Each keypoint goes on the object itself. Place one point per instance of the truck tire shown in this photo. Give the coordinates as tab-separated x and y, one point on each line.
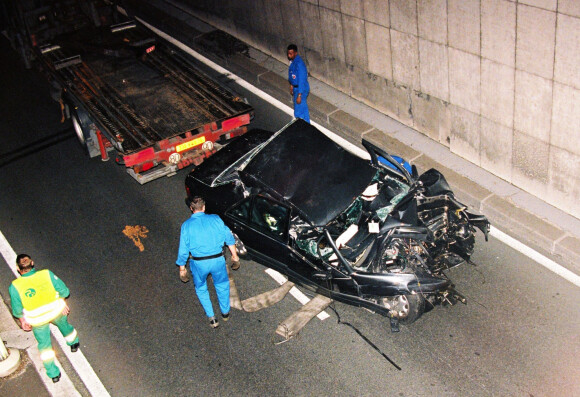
81	122
55	91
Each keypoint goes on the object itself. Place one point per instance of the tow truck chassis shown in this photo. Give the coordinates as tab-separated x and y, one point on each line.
135	93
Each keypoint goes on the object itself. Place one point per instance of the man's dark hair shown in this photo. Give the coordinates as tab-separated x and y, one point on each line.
197	203
24	262
293	47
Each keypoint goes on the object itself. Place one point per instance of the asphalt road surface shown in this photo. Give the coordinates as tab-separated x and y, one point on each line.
145	334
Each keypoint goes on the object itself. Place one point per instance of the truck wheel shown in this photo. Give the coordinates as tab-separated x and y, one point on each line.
78	129
55	91
81	124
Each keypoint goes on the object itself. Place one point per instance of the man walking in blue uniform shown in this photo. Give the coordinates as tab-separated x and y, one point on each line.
299	87
203	236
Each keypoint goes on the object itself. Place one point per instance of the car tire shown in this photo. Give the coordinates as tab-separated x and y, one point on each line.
240	247
416	308
408	307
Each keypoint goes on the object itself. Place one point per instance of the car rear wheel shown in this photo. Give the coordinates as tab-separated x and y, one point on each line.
407	308
240	247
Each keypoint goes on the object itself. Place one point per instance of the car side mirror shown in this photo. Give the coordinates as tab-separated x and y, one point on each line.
414	172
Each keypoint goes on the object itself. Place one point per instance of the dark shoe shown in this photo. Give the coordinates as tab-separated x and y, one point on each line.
235	265
213	322
226	317
74	347
56	379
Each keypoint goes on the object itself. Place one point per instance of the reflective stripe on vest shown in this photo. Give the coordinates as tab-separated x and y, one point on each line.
40	300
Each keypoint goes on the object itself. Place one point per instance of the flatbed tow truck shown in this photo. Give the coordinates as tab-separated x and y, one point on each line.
125	88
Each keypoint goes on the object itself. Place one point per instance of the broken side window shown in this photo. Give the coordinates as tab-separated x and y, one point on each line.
394	191
241	211
270	217
315	249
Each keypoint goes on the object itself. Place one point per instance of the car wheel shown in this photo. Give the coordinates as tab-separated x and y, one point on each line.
407	308
240	247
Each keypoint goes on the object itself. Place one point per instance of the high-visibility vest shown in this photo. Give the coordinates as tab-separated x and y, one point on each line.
40	300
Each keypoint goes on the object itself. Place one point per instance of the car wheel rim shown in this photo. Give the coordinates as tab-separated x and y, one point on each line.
398	306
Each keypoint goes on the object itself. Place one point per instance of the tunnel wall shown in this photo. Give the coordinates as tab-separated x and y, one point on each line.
496	81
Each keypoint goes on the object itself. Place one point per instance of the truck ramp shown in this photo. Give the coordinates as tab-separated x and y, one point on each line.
138	88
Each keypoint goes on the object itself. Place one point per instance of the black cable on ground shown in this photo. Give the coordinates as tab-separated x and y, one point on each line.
367	340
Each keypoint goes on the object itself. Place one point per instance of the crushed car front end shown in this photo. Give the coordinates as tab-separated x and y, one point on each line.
407	234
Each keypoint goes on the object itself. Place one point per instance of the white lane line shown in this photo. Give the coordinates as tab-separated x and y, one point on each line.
536	256
81	366
295	292
8	254
77	359
529	252
64	388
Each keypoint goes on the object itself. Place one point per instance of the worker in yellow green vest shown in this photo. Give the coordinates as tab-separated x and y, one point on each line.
38	300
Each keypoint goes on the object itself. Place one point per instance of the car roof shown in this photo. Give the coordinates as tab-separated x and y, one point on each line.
304	167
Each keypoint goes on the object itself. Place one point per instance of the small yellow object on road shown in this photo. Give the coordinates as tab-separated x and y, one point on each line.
136	233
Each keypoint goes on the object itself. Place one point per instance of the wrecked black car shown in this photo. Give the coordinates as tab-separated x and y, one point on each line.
368	233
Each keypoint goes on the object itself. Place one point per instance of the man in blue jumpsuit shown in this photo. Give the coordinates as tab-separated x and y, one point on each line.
299	87
203	236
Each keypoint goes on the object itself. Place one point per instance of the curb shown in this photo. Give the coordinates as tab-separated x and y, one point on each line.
8	366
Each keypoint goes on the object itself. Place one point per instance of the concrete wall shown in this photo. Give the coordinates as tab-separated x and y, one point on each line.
497	81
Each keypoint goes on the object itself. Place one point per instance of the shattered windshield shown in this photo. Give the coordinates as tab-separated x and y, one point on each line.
353	227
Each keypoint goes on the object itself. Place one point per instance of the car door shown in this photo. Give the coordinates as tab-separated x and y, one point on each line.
262	225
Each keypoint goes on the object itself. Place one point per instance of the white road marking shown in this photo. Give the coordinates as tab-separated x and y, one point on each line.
296	293
64	387
536	256
77	359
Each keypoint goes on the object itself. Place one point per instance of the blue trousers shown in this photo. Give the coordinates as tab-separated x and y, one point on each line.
200	270
301	110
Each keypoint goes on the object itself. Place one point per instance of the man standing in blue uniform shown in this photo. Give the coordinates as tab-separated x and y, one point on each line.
203	236
299	87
